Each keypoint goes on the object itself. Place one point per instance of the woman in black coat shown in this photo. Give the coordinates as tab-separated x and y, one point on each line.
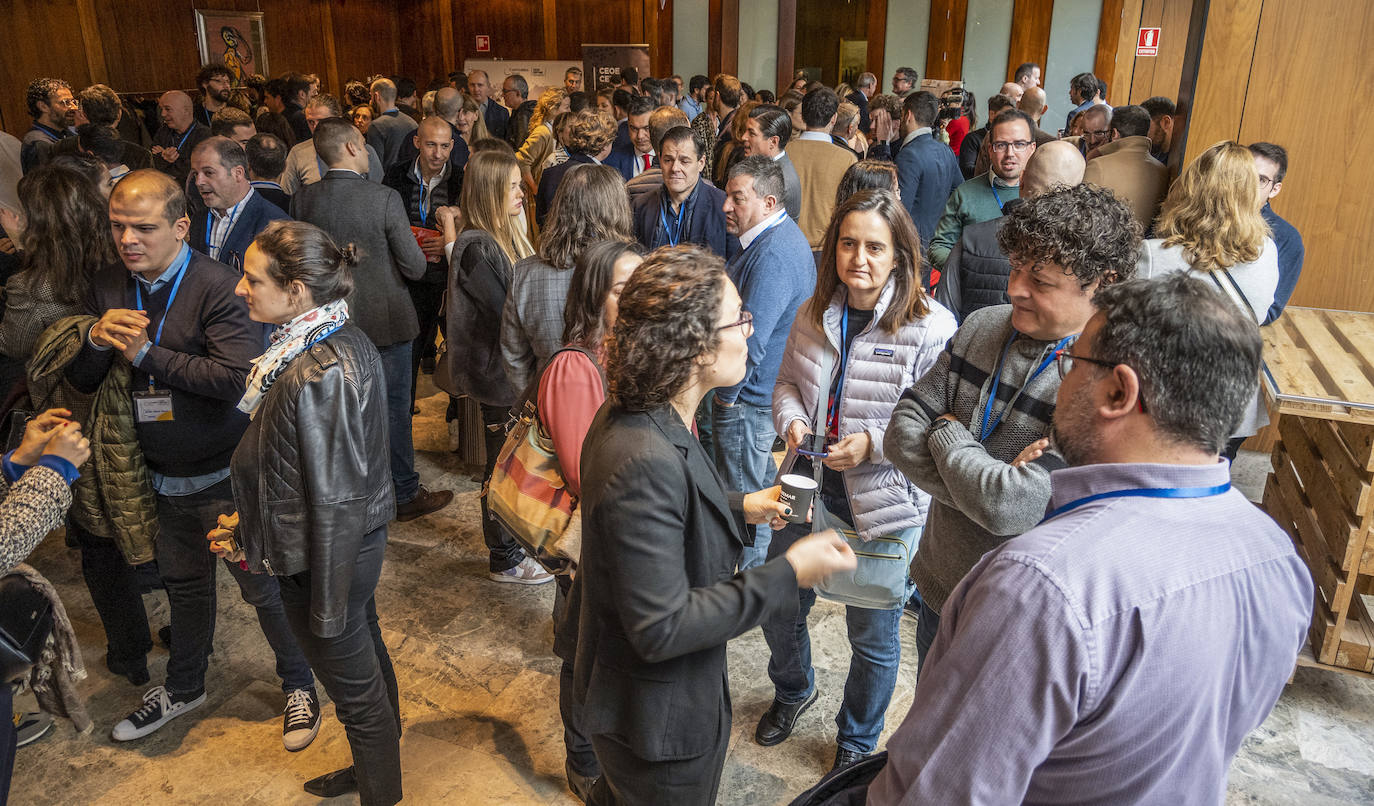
312	483
656	588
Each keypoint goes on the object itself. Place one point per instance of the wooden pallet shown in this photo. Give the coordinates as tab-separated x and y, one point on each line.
1321	364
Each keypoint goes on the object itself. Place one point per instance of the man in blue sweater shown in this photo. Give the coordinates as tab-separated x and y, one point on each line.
1272	163
775	273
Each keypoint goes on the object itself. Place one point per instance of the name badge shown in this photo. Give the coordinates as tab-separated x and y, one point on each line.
882	351
153	406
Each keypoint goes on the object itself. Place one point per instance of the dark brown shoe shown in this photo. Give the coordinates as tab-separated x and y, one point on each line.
424	502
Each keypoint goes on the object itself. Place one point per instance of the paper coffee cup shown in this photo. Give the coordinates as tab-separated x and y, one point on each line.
797	492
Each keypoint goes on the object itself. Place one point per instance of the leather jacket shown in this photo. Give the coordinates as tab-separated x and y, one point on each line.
312	475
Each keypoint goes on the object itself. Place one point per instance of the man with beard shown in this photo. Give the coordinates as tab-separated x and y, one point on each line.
214	82
53	110
959	431
1121	693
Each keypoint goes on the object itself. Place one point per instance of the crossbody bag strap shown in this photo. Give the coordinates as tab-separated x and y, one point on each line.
822	396
1240	294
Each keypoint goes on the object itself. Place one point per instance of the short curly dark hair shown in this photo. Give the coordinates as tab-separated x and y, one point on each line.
665	323
1085	229
40	90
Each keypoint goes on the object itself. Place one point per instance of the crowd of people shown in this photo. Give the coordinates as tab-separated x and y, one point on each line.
1004	368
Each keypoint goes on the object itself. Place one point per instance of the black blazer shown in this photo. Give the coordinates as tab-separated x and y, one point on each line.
496	117
656	588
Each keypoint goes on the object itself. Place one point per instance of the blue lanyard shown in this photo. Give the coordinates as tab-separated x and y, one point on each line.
844	369
995	194
668	232
189	129
989	422
180	270
1145	492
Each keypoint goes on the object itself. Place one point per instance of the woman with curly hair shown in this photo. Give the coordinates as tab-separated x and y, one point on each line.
1210	225
657	591
591	206
588	141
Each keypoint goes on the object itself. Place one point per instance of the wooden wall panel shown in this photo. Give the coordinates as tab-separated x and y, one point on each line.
365	41
945	48
607	21
820	26
1223	71
1030	34
877	37
1159	75
1114	60
722	54
43	38
420	31
1301	45
516	28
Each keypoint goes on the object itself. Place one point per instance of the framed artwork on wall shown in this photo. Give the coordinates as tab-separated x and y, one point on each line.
234	39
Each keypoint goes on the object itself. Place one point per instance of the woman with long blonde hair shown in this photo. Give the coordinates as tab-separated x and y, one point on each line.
542	140
480	260
1211	225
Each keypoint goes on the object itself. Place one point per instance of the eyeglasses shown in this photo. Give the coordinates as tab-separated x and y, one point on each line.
1063	360
1097	135
1018	146
1264	180
745	323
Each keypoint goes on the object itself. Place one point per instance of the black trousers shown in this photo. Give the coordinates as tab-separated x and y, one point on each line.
114	589
8	741
428	299
356	670
628	780
503	553
581	756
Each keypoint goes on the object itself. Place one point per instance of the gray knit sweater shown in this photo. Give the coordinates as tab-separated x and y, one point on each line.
979	500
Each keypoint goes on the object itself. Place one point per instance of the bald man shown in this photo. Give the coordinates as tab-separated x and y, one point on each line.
1013	91
975	274
448	102
389	128
178	136
172	314
427	183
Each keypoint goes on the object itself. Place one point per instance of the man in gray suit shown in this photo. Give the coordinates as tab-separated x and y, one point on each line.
372	217
389	128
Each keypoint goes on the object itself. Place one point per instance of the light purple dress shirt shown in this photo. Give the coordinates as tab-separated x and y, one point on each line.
1116	654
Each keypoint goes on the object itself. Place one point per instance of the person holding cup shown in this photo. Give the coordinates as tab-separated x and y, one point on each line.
656	587
867	334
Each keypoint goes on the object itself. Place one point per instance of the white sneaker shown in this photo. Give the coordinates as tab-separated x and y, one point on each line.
158	709
528	572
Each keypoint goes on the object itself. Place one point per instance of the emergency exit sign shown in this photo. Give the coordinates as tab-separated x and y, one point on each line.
1148	43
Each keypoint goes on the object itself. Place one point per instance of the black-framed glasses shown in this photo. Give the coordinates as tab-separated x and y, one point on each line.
1016	145
1063	361
745	323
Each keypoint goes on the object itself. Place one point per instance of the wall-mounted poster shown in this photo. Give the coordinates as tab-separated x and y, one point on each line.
234	39
853	59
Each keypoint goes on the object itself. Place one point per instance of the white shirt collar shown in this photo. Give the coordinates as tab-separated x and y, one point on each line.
755	231
232	213
820	137
915	134
779	155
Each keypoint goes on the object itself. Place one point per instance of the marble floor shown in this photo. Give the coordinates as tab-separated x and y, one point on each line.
479	687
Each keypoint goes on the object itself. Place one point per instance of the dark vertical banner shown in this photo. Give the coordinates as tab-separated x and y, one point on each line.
601	64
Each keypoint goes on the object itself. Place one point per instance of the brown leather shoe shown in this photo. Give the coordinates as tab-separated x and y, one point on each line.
424	502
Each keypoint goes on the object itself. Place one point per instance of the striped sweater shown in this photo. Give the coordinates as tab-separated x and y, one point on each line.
979	500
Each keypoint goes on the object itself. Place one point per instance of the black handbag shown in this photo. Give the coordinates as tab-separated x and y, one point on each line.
25	623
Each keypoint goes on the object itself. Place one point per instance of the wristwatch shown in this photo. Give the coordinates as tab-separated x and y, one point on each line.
936	425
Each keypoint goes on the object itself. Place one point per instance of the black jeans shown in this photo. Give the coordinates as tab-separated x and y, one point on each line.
503	552
8	740
187	569
927	627
428	299
356	670
581	756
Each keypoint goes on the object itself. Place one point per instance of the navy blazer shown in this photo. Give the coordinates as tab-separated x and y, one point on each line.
622	158
927	172
496	117
548	185
622	134
703	224
256	215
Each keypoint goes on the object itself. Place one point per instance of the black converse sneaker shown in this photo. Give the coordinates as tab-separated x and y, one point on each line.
158	709
301	719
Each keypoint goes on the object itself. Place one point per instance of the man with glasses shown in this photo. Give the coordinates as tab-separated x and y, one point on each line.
53	110
981	198
1074	656
775	274
515	96
904	81
970	432
1124	166
1095	123
1272	163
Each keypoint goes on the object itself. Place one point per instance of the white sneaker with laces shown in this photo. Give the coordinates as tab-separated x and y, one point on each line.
301	719
528	572
158	709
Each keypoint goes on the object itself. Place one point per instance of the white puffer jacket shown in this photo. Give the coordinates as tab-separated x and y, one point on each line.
882	366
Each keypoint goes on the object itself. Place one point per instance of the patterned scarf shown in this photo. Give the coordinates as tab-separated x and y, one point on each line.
288	341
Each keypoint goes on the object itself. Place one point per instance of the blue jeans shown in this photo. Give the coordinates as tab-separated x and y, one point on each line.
927	625
876	652
399	398
742	438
